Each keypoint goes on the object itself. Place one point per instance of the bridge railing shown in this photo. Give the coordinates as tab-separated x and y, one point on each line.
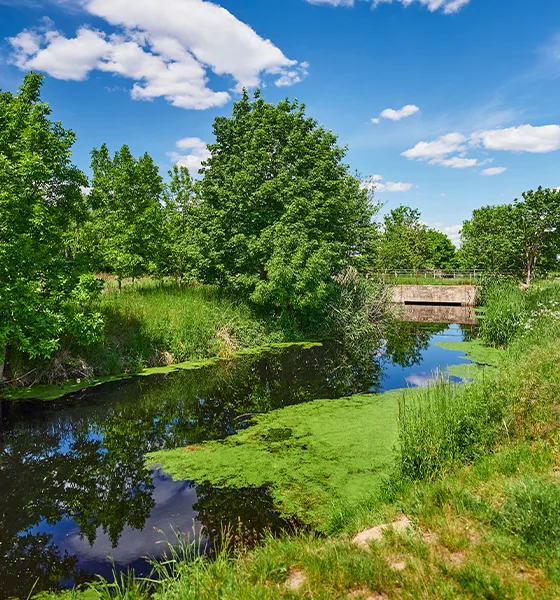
436	276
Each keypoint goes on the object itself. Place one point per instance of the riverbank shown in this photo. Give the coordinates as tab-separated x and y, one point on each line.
149	325
475	472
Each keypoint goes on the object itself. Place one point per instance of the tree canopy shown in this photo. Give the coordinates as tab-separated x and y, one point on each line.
126	195
43	290
279	214
519	237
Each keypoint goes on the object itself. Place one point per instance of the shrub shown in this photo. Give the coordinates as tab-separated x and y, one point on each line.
447	425
505	312
531	511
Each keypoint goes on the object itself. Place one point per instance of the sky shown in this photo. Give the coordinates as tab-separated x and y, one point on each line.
444	105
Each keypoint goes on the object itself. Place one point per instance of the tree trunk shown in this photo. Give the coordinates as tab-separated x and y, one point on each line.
120	284
2	361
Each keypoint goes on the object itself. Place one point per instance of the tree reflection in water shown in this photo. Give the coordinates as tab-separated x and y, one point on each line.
82	458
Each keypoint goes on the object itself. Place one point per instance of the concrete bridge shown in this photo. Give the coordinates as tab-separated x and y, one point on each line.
453	295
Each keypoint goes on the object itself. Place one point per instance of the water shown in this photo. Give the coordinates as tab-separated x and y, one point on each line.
74	489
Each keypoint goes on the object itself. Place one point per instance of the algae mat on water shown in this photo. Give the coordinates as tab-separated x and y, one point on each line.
313	455
56	391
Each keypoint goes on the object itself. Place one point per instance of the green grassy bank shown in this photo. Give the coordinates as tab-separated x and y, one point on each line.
147	325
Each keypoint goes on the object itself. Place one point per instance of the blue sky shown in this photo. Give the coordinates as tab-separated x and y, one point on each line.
445	105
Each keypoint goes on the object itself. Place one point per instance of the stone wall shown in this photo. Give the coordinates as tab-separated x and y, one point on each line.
464	295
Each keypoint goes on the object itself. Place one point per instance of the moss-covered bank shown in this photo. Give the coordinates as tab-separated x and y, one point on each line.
54	391
315	456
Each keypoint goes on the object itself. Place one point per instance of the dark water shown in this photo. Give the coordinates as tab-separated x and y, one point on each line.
74	489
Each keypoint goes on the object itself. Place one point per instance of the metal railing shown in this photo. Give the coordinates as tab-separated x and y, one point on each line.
435	275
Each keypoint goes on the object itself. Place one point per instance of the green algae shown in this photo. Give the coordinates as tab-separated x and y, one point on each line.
48	392
481	357
313	455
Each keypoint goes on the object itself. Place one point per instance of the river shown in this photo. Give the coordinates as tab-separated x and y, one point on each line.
76	496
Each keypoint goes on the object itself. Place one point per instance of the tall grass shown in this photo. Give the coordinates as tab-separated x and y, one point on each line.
447	426
158	323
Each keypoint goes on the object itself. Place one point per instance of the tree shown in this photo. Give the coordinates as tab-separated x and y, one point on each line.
180	206
490	240
126	195
516	237
280	214
538	220
44	291
403	243
440	250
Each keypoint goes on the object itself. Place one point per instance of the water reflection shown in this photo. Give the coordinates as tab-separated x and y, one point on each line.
74	484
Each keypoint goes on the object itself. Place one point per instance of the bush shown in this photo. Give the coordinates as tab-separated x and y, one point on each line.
505	312
446	425
531	511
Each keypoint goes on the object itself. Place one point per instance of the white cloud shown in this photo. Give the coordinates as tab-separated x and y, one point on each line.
448	7
193	160
449	150
455	162
402	113
166	52
524	138
446	144
493	171
396	115
375	183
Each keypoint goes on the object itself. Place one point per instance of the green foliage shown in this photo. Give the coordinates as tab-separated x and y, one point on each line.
279	215
406	243
447	425
43	290
403	243
176	257
488	241
360	310
520	237
126	225
441	251
530	511
504	312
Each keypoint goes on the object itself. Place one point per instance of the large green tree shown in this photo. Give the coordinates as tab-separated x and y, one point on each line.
127	196
180	207
440	250
519	237
403	243
538	219
490	240
44	290
280	213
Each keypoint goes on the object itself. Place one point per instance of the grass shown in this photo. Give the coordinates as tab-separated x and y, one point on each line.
157	324
427	280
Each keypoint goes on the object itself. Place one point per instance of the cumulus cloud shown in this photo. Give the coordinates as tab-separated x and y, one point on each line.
167	53
524	138
448	7
444	145
493	171
455	162
449	150
191	160
375	183
397	115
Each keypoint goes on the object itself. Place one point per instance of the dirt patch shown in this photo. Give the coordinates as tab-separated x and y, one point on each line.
375	534
365	594
295	580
